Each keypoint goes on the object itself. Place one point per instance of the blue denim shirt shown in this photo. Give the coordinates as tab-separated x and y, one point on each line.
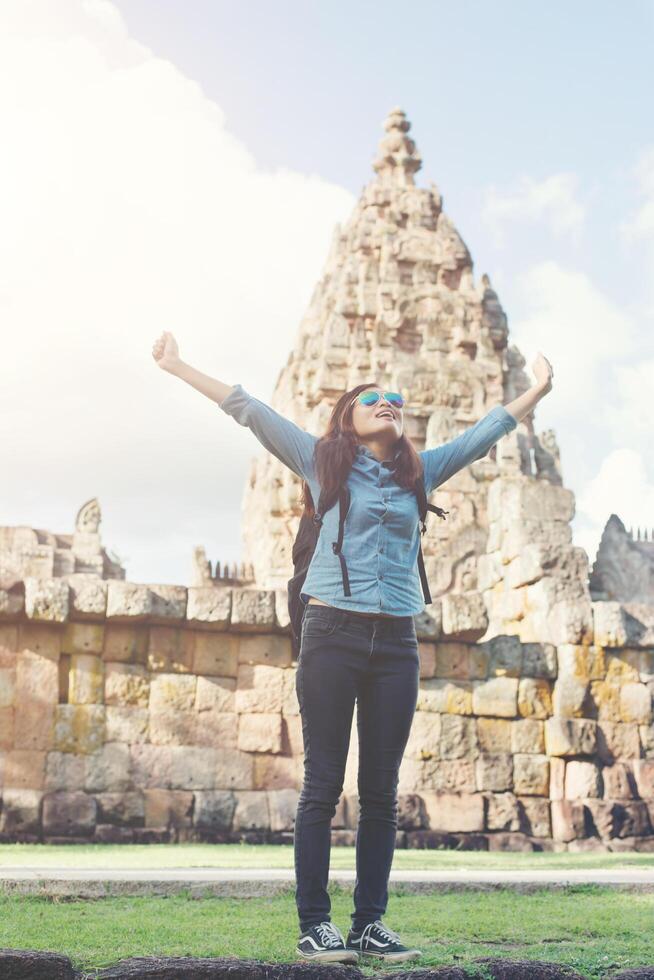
381	535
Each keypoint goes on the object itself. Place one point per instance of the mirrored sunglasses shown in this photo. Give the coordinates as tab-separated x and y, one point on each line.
393	398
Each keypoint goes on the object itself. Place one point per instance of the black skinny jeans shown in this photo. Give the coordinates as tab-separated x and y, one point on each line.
374	661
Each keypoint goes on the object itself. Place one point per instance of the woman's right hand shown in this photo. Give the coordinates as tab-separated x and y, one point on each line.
166	352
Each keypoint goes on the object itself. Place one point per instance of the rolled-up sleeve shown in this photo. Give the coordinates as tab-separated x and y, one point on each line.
283	438
474	442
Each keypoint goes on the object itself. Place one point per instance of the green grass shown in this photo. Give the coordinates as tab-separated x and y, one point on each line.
594	930
153	856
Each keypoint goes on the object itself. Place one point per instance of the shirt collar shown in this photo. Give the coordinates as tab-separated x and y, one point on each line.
364	451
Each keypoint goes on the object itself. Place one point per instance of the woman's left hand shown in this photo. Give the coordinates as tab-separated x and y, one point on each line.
543	372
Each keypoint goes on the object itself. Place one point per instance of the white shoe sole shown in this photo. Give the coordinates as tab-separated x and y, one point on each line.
330	956
410	954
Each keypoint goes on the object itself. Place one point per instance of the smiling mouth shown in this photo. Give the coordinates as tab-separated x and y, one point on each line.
385	413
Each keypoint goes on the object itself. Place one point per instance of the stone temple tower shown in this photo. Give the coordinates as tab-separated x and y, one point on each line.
397	304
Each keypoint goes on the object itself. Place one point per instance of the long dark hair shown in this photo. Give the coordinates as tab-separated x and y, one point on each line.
335	451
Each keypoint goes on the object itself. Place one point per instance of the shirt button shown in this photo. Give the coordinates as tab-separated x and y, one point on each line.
381	576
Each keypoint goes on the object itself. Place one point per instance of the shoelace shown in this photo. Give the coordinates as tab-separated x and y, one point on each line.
330	934
381	928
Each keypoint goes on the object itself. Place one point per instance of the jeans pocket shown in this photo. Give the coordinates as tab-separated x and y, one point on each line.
320	621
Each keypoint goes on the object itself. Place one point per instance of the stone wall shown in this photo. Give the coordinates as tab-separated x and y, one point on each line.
153	713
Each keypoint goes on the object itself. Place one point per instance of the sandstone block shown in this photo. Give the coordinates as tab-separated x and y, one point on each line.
6	728
272	649
453	661
253	609
126	684
87	596
568	819
557	778
37	642
208	606
214	810
527	735
292	735
125	644
86	679
646	738
152	766
46	600
424	737
259	688
503	812
79	638
610	624
108	770
497	696
7	686
290	704
570	736
606	817
260	732
617	780
69	814
534	697
458	737
622	665
216	728
21	811
585	663
539	660
617	741
175	692
170	649
445	696
454	811
170	809
282	617
215	654
24	769
34	725
427	654
635	819
126	724
464	616
494	772
121	809
582	779
644	775
79	728
449	776
136	602
172	726
635	703
570	697
494	735
216	694
535	816
531	775
429	622
505	656
64	771
277	772
251	811
282	806
605	700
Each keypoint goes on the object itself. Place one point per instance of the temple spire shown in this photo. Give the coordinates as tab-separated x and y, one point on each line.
398	159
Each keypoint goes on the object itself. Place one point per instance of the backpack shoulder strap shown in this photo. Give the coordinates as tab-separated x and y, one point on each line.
423	507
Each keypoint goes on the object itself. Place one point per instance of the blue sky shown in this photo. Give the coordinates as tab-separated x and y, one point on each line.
181	165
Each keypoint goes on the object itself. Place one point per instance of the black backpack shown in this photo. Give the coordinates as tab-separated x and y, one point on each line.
305	545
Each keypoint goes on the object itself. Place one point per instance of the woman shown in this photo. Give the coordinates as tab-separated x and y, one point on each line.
358	640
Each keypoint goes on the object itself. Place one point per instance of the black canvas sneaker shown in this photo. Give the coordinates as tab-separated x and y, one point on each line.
379	943
324	942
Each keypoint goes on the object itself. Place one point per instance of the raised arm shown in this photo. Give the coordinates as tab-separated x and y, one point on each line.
283	438
444	461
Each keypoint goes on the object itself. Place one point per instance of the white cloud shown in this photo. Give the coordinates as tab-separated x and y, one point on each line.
621	486
552	201
641	224
129	208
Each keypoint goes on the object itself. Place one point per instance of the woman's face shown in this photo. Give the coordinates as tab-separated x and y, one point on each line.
381	420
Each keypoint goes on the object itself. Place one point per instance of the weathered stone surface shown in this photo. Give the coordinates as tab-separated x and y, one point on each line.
175	692
539	660
125	644
445	696
494	735
535	816
494	772
497	696
505	656
635	703
424	737
86	679
464	616
46	600
260	733
253	609
582	779
274	772
126	684
617	741
568	819
259	688
570	736
108	770
618	781
503	812
214	654
282	806
643	770
69	814
527	735
208	606
251	811
21	811
122	809
214	810
170	808
24	769
79	638
570	697
272	649
454	811
531	774
79	728
453	661
64	771
126	724
458	737
216	694
534	697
